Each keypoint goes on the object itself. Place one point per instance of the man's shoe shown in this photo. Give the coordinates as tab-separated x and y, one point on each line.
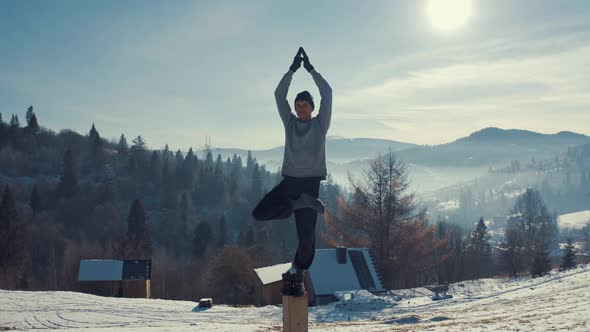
298	284
307	201
287	287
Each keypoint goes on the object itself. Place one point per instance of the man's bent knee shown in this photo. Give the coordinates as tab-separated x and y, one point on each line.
256	214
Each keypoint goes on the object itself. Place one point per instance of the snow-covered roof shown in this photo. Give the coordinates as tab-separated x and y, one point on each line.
270	274
100	270
327	276
448	205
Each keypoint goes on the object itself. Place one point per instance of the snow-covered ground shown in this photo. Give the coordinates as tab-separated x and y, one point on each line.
559	301
575	220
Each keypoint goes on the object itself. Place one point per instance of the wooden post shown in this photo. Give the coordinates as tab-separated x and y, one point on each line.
295	313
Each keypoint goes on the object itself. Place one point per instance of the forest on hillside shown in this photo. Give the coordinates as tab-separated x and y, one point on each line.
68	196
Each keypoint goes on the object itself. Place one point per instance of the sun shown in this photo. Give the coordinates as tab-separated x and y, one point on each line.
448	15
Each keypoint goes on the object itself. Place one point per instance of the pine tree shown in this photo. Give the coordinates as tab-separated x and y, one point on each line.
137	153
166	153
92	133
96	150
202	237
179	157
68	185
184	212
222	240
155	169
234	177
139	143
184	224
122	157
35	200
256	189
8	219
188	166
217	185
14	123
209	162
568	260
541	264
122	147
190	157
179	169
15	260
479	247
167	223
249	163
137	220
138	239
218	166
168	200
29	114
32	124
480	239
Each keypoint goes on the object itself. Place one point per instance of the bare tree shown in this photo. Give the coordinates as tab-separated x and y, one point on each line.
530	230
451	251
385	216
231	276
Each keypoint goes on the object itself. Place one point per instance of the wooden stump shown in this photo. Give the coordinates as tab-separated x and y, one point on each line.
295	313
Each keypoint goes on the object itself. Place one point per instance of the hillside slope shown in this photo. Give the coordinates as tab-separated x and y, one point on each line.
558	301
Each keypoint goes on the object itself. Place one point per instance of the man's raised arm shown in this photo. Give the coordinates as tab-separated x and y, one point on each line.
281	97
325	112
283	88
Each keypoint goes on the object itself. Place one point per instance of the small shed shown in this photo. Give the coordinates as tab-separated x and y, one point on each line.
118	278
333	270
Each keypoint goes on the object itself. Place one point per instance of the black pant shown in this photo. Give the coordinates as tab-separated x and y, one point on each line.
276	205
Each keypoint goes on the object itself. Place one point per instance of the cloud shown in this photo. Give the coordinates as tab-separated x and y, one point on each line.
540	91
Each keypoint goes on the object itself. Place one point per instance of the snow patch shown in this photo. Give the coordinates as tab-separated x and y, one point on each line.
576	220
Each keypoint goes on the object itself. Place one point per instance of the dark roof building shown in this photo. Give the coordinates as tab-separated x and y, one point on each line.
121	278
333	270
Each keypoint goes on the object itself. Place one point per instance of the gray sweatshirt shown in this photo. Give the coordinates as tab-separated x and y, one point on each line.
305	141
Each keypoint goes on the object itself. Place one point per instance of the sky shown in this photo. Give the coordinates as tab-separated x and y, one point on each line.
175	72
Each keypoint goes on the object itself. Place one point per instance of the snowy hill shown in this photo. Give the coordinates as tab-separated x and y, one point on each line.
575	220
558	301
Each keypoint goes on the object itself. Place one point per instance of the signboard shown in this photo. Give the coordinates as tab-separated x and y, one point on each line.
139	269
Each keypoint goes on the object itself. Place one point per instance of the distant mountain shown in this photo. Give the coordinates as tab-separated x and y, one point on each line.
433	166
484	147
493	134
493	146
338	149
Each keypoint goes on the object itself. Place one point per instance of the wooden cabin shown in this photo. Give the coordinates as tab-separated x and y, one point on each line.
115	278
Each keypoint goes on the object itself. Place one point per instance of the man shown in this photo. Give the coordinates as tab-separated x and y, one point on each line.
304	166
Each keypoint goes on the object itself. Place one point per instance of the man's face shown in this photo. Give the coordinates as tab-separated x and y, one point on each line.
303	110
